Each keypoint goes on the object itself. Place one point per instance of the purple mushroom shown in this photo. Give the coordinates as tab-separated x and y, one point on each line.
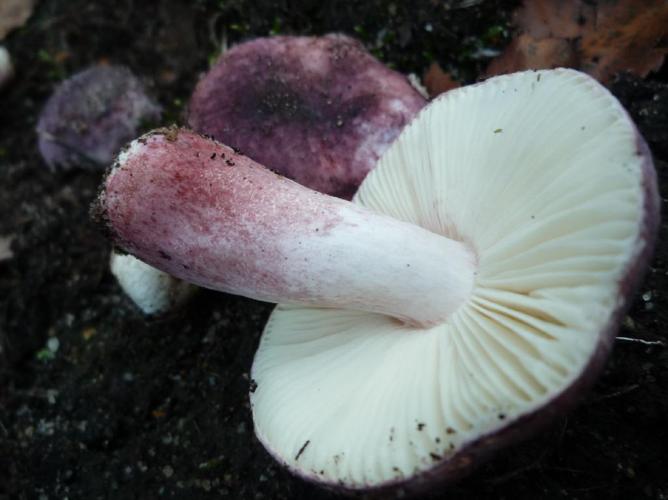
319	110
470	292
91	115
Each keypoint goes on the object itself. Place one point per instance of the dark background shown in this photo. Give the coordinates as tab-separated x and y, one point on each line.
141	408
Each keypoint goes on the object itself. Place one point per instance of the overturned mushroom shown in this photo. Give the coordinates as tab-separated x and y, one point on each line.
471	293
319	110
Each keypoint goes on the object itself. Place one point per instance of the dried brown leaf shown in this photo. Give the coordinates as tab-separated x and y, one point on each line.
438	81
627	37
554	18
526	52
602	38
14	14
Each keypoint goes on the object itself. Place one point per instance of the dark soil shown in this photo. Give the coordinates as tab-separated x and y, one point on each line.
129	407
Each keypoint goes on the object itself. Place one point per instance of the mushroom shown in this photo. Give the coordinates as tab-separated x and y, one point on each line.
91	115
471	292
319	110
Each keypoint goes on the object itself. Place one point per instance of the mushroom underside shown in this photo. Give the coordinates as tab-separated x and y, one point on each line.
557	197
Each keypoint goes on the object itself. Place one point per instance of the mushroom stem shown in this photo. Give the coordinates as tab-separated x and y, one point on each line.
196	209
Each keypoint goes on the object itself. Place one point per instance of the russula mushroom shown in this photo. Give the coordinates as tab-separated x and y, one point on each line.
471	292
91	115
319	110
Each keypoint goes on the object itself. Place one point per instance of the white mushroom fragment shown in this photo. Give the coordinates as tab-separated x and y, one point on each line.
6	67
506	229
151	290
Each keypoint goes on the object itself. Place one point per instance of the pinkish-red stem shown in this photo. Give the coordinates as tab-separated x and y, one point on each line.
197	210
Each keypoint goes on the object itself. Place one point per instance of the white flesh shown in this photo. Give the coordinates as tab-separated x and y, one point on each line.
537	172
152	290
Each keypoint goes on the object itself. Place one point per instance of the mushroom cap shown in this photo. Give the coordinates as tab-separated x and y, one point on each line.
545	176
91	115
319	110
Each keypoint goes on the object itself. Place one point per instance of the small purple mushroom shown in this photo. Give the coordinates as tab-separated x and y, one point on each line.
319	110
91	115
